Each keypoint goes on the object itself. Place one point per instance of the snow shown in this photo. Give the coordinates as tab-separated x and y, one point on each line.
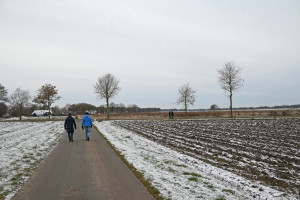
178	176
23	146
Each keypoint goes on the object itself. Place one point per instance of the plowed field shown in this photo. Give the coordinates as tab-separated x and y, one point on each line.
263	150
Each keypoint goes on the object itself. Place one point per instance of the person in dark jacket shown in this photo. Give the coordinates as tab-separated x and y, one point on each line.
69	122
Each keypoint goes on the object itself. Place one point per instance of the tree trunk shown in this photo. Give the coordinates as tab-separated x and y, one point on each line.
185	105
49	112
107	108
20	112
231	104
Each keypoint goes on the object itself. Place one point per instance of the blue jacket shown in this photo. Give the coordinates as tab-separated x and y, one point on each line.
86	121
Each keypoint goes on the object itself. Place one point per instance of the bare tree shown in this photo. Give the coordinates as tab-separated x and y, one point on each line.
107	87
230	80
3	93
47	95
186	96
214	107
20	98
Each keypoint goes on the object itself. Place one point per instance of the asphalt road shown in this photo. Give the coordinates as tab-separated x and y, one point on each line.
85	170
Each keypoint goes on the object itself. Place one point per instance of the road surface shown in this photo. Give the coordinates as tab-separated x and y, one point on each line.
85	170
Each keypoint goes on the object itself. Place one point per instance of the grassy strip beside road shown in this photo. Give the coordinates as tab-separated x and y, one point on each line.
153	191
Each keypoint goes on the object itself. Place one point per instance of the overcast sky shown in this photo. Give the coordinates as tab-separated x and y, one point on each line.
153	47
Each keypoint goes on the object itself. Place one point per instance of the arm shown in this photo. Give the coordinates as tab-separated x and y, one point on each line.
82	123
91	122
74	123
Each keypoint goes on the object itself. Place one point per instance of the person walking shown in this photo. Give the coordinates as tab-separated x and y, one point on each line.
87	124
70	124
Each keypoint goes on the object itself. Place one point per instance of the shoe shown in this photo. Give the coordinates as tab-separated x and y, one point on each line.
72	140
88	138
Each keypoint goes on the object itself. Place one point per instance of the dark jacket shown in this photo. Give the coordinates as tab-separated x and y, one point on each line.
69	124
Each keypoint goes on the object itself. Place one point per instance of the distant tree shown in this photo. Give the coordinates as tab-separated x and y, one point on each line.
57	110
186	96
121	108
3	93
31	108
82	107
102	109
3	109
20	99
107	87
13	111
230	80
65	109
113	107
133	108
46	96
214	107
72	108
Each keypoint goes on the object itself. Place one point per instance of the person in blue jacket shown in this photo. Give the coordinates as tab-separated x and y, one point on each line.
87	124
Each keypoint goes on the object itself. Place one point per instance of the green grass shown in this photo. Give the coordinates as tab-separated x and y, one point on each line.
228	191
210	186
170	169
194	176
177	165
3	193
191	174
193	179
220	198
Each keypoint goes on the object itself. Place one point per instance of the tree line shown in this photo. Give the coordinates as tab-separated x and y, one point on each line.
107	87
102	109
20	100
20	104
229	79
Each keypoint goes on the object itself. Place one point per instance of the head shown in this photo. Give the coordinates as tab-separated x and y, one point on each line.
86	112
69	115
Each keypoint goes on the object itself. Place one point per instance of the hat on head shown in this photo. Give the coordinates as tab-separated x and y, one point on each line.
86	112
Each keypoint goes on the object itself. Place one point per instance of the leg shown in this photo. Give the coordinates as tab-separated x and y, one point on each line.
71	136
85	128
87	132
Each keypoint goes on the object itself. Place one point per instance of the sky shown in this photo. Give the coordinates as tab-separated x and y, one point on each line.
153	48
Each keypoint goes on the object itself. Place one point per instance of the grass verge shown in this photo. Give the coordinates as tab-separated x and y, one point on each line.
152	190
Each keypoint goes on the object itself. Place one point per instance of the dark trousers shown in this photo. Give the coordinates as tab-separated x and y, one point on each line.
70	135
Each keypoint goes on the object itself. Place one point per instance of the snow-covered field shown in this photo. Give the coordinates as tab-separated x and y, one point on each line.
258	149
178	175
23	145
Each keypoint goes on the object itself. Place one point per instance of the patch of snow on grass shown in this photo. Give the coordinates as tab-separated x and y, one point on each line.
23	146
178	176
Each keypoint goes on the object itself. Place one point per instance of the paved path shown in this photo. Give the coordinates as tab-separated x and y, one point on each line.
85	170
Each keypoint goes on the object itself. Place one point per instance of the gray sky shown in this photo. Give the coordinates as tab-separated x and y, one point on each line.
153	47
